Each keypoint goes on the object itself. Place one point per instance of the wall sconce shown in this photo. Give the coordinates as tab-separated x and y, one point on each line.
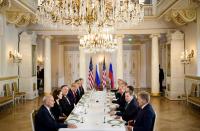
186	56
15	56
40	60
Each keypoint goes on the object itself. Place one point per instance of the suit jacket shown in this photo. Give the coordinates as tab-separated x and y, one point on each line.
121	102
45	122
161	74
82	90
131	111
66	105
72	97
57	112
145	119
79	95
117	95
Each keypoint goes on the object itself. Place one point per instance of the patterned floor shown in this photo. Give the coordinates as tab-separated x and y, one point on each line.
171	116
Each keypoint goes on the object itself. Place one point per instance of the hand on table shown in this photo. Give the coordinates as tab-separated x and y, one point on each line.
129	128
72	126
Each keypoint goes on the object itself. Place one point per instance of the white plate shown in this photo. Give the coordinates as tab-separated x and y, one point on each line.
116	126
73	121
115	122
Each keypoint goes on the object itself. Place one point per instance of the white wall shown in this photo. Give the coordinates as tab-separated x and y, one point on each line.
190	32
8	42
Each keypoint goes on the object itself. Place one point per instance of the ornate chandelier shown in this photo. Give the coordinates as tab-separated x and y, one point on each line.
94	42
90	12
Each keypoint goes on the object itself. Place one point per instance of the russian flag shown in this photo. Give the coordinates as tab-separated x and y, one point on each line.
97	77
111	76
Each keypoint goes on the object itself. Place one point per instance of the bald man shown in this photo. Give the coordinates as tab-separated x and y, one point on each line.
44	119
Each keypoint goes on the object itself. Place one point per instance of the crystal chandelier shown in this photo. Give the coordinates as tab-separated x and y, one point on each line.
90	12
96	42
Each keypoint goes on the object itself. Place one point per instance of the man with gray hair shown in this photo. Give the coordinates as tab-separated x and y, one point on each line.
146	116
44	119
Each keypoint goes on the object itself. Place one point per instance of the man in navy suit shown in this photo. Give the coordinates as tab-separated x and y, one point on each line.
72	94
131	107
81	86
44	119
146	116
65	102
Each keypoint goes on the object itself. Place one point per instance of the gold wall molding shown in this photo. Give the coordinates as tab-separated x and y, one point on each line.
192	77
155	94
196	1
4	4
181	17
8	78
20	19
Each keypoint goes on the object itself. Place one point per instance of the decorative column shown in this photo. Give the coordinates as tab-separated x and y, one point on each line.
155	65
198	41
82	66
119	57
154	3
175	69
143	65
47	65
61	66
1	43
27	68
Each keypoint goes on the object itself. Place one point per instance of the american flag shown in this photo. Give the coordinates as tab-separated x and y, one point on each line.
104	74
90	75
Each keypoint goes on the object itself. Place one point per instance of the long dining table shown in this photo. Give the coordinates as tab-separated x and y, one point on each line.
92	113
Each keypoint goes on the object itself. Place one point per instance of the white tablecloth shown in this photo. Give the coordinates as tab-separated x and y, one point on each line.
91	113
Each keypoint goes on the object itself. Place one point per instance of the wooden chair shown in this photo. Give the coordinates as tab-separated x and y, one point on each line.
193	90
33	113
153	123
8	93
15	89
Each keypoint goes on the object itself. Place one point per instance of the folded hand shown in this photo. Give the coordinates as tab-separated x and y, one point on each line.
72	126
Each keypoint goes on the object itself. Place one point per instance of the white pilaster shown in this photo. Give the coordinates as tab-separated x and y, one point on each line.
27	79
119	57
1	43
82	68
175	81
143	66
155	65
47	65
61	76
198	41
154	3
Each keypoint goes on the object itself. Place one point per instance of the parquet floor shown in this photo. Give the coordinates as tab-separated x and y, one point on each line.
171	116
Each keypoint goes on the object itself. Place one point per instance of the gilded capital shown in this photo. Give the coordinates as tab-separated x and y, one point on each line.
47	37
155	35
119	36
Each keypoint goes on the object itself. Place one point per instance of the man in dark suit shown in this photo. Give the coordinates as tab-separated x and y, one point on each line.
161	78
44	119
131	108
122	101
81	86
65	103
72	94
146	116
78	91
